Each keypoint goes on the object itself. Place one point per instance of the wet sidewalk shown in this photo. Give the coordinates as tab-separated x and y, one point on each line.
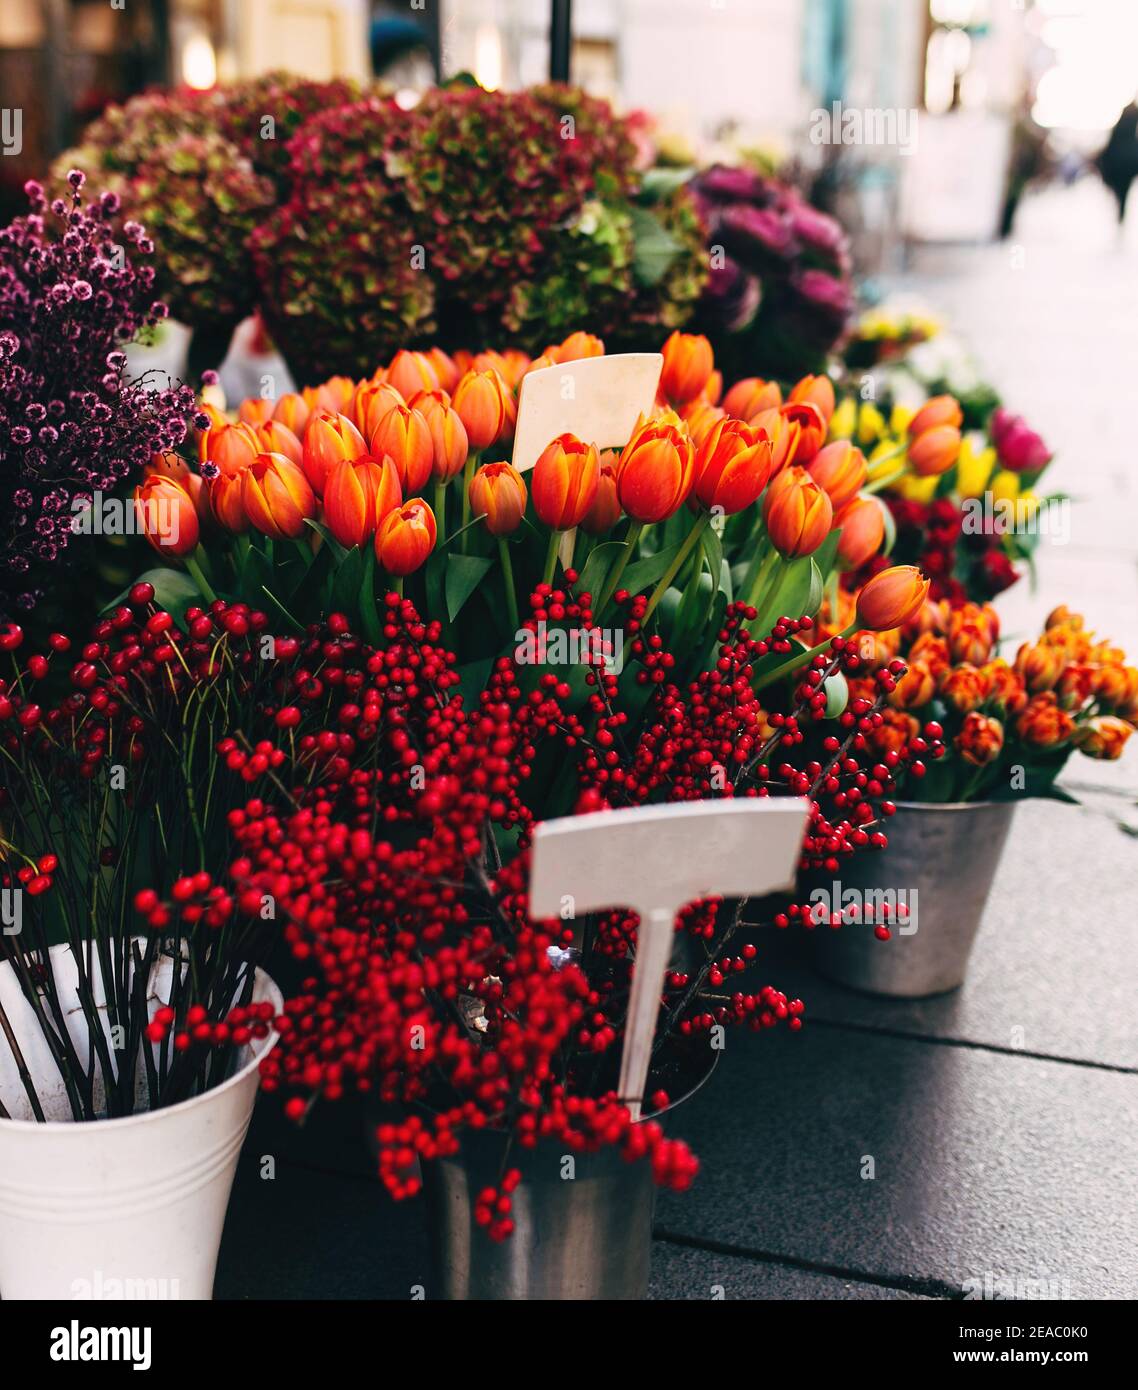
983	1141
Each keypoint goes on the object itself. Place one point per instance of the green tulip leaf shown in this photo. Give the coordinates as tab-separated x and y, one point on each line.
463	576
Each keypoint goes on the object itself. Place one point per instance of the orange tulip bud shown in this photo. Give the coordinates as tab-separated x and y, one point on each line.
276	438
1004	686
1103	736
402	435
936	411
576	347
564	482
840	468
540	363
688	363
255	411
373	399
229	447
783	435
932	650
1116	687
714	388
226	504
915	688
934	451
448	434
654	475
167	515
732	466
410	372
862	524
328	439
358	494
446	369
605	512
292	410
336	395
798	513
1063	617
405	537
818	391
480	398
169	465
964	687
897	730
980	739
972	632
1043	723
747	397
498	495
891	598
701	417
1040	665
277	497
811	429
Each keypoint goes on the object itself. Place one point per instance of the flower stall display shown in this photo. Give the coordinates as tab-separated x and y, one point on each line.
73	425
1008	729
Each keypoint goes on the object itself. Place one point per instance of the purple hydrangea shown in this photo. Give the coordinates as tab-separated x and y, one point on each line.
71	422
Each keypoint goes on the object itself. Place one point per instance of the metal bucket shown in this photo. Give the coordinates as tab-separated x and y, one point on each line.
585	1236
947	855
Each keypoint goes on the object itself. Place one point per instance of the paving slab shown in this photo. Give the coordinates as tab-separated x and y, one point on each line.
895	1158
693	1273
1054	970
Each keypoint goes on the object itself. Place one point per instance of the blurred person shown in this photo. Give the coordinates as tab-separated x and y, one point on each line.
1118	160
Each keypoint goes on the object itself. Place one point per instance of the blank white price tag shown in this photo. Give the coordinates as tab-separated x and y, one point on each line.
599	399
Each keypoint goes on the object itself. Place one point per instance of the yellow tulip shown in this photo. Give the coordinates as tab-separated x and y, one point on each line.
916	489
899	419
870	424
973	468
844	419
1005	486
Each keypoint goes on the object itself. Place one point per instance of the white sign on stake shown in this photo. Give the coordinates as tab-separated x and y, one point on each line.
655	860
599	399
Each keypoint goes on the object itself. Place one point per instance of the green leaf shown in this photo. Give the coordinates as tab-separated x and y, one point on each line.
472	680
349	577
642	573
826	553
791	595
659	183
174	591
597	566
436	580
463	576
713	549
654	248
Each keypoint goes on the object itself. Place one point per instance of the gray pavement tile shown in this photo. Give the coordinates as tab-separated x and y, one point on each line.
1054	969
984	1166
691	1273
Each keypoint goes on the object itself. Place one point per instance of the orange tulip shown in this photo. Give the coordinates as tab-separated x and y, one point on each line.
358	495
747	397
840	468
481	400
498	495
336	394
783	435
328	439
714	388
798	513
564	482
276	438
292	410
980	739
405	537
915	688
226	504
605	512
818	391
277	497
656	468
229	447
449	444
811	429
1043	723
372	401
862	524
936	411
701	417
410	372
1039	665
1116	687
934	451
732	466
688	363
540	363
169	465
255	411
446	369
167	515
402	435
890	599
576	347
1103	737
964	687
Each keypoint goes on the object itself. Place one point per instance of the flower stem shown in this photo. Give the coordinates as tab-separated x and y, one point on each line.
630	540
759	582
508	576
693	536
441	507
879	484
467	479
800	659
193	564
551	557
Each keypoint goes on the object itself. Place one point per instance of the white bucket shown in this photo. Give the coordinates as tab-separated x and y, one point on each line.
107	1209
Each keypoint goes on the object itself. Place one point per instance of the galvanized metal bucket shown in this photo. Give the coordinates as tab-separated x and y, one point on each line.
941	862
583	1222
